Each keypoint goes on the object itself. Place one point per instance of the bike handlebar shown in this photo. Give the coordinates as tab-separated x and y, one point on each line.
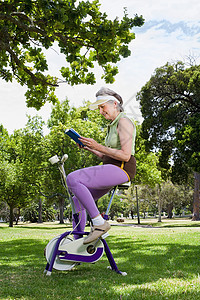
55	159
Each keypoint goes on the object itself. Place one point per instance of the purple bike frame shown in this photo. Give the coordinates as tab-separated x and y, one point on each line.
75	257
82	258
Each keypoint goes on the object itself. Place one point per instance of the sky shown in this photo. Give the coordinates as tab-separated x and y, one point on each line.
171	32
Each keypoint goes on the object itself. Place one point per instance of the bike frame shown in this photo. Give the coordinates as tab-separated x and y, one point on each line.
76	257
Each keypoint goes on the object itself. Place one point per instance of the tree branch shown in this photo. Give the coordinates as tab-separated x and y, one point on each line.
24	26
184	98
21	65
51	196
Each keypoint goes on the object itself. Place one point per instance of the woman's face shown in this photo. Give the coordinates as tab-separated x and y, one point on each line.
108	110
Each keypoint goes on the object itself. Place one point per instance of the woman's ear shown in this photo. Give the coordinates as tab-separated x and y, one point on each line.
115	103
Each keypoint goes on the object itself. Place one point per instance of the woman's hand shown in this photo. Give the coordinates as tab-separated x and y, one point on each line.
89	143
80	146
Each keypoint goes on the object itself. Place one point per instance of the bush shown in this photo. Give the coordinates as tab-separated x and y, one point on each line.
31	213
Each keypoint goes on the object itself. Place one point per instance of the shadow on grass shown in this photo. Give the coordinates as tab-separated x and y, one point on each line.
46	228
22	265
43	227
155	261
160	225
180	225
22	252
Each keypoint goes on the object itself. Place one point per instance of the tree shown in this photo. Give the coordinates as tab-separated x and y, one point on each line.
13	188
146	197
170	105
30	213
171	196
148	171
81	31
22	164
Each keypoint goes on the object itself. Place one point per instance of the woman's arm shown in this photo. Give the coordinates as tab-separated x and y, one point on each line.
97	153
125	131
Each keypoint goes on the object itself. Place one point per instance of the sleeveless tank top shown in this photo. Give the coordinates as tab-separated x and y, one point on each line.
112	140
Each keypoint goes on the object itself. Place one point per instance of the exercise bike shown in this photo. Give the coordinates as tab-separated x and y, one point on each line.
63	252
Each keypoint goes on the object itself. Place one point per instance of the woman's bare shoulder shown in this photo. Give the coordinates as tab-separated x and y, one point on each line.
126	122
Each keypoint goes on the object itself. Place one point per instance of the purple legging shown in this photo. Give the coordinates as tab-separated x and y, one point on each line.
90	184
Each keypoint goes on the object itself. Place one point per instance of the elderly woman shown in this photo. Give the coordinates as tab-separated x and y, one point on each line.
119	165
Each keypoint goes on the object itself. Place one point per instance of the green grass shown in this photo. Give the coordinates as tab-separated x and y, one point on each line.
162	263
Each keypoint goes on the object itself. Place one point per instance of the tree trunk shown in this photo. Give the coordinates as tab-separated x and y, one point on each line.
196	198
132	214
159	206
138	208
17	216
40	211
61	206
169	211
11	217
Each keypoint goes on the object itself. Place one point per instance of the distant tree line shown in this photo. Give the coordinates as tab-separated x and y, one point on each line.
31	187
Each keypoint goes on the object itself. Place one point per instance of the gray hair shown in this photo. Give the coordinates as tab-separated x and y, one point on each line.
106	91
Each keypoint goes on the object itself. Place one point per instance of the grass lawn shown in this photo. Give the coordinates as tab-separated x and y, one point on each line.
162	263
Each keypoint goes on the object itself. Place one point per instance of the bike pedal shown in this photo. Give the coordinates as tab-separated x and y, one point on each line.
105	235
